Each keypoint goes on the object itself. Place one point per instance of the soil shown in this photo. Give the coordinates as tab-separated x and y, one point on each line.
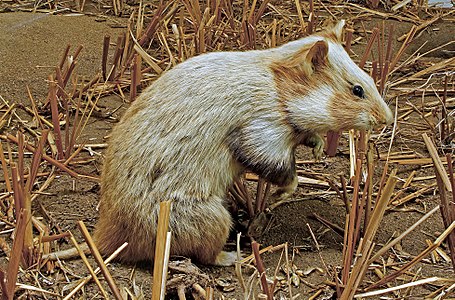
32	44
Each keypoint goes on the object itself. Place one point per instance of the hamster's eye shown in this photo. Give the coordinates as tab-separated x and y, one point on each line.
358	91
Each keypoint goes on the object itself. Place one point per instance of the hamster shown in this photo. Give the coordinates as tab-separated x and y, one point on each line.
194	130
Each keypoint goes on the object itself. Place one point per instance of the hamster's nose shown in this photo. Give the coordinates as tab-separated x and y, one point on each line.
388	116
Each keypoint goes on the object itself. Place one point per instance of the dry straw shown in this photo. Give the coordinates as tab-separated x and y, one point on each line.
162	244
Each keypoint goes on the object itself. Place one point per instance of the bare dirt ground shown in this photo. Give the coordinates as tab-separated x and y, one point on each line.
32	45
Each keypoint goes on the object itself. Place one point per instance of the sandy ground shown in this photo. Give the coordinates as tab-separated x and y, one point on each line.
33	44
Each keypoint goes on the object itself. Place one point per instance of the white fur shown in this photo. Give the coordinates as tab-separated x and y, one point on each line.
312	112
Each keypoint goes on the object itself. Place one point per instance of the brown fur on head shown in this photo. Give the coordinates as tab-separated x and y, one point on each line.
320	81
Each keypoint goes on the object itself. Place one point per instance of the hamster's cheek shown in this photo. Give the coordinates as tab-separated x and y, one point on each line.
365	120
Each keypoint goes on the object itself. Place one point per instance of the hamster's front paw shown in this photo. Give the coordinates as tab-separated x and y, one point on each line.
317	143
286	192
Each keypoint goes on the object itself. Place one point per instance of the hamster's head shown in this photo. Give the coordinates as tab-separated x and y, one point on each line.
323	89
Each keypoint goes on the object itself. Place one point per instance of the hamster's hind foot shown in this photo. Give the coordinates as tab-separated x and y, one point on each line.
225	258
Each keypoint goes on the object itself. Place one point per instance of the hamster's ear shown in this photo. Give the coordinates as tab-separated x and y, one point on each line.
317	55
338	30
302	63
